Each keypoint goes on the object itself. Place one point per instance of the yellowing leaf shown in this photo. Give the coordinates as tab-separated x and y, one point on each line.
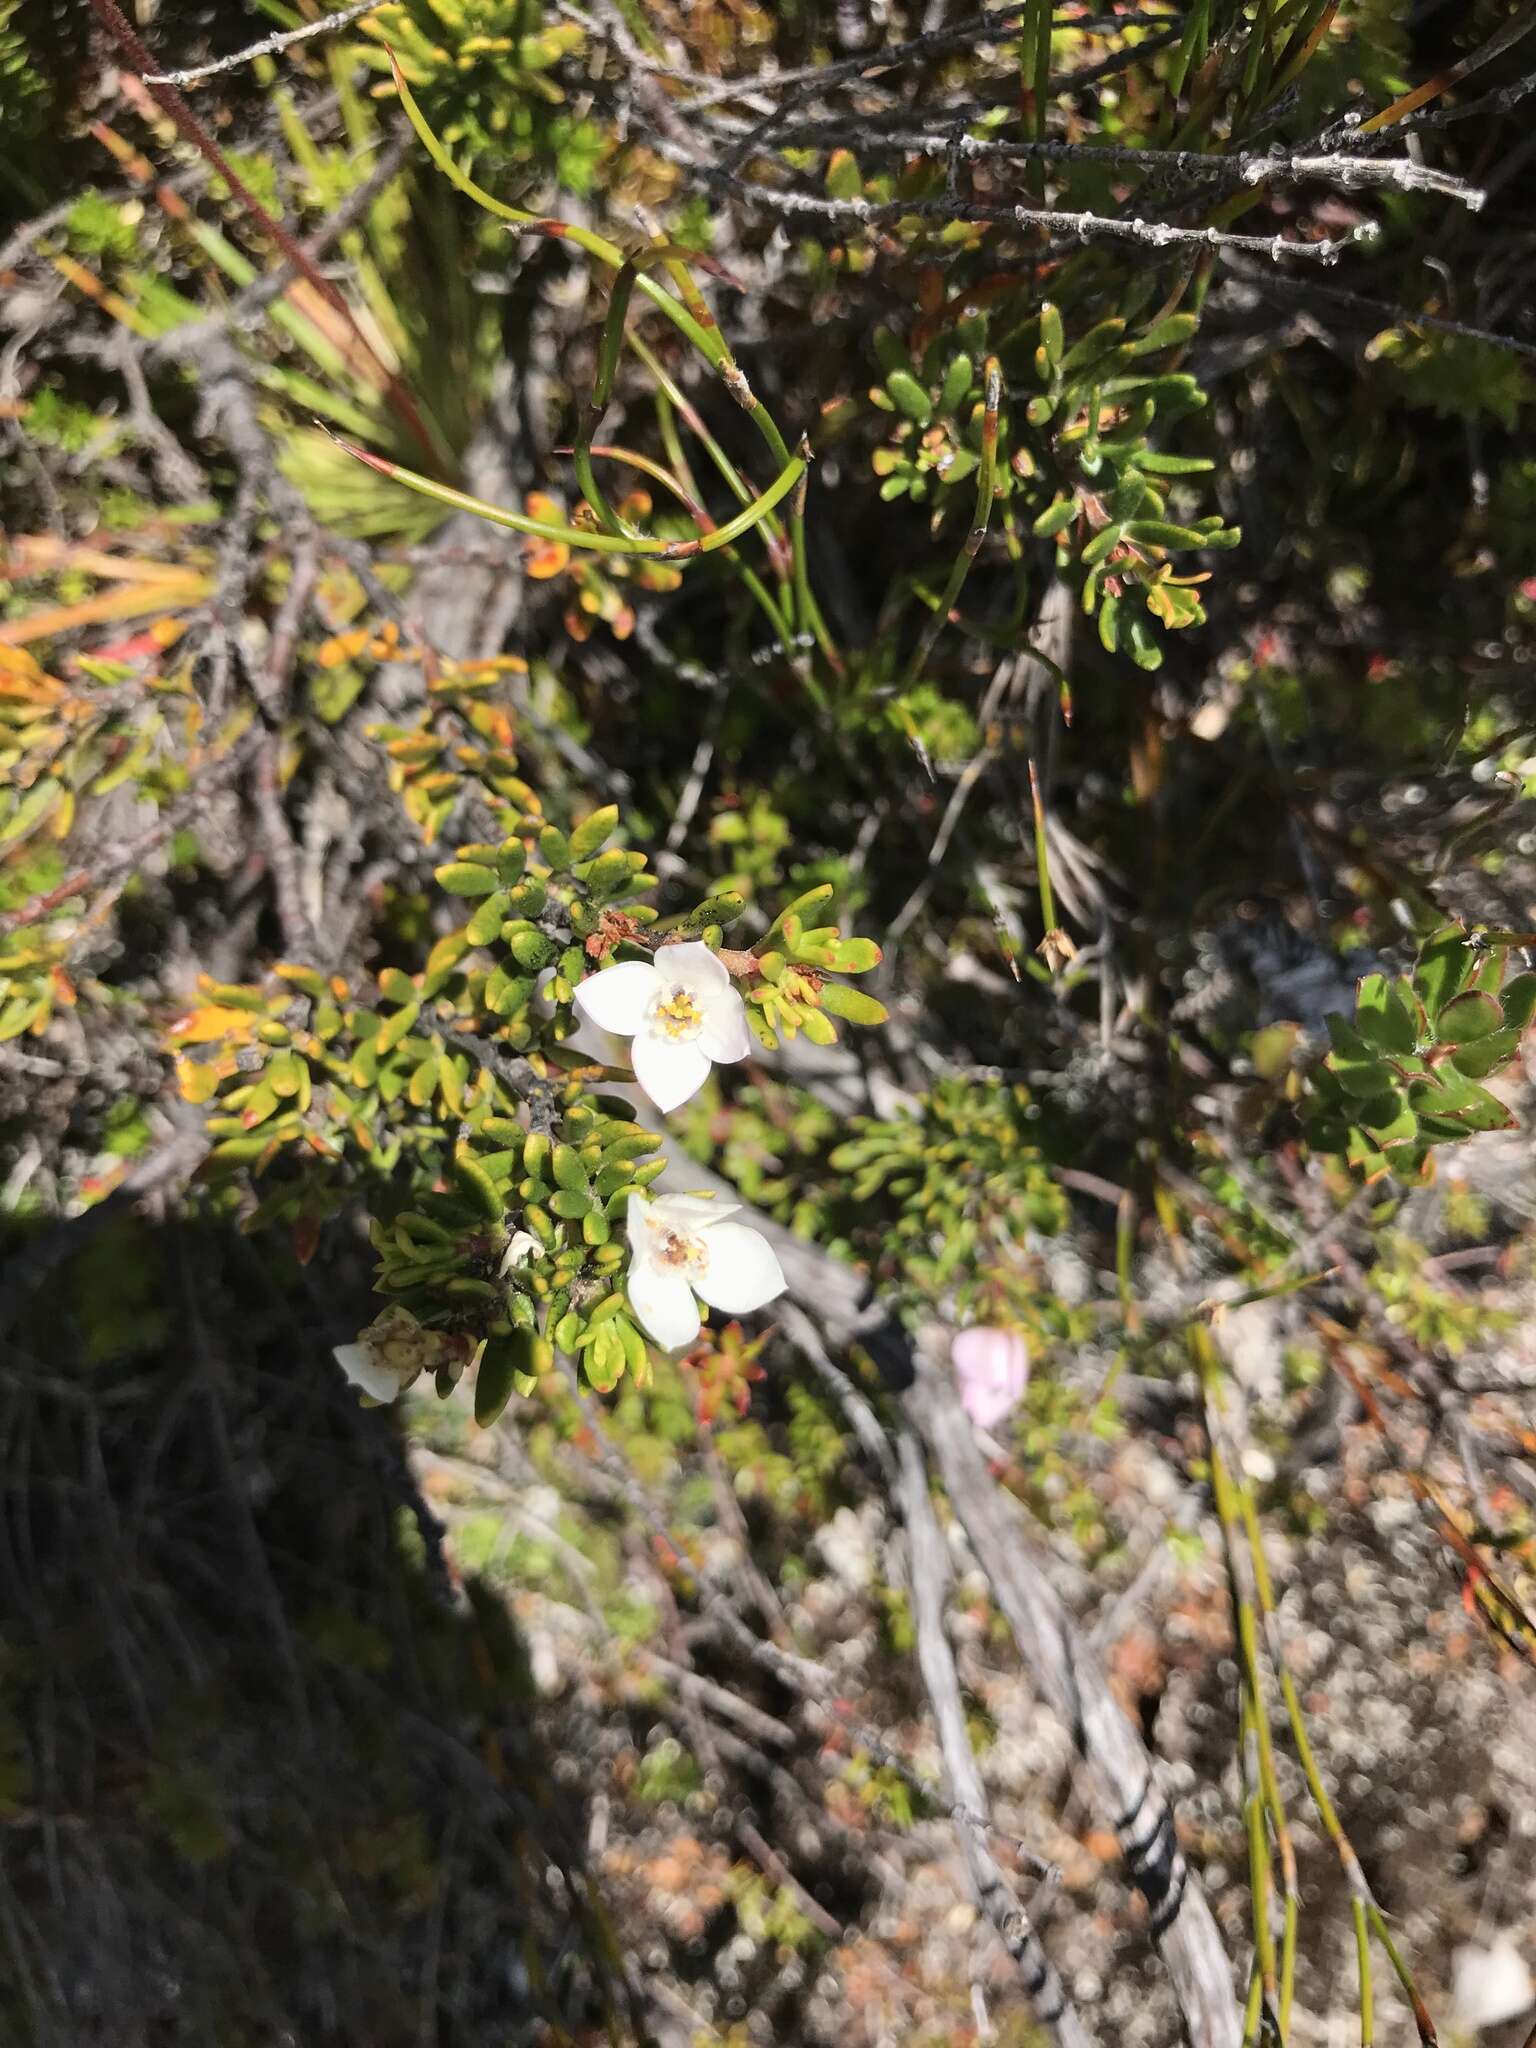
208	1024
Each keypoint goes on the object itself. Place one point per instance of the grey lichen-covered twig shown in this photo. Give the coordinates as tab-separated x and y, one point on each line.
928	1565
1058	221
1070	1678
268	46
1246	168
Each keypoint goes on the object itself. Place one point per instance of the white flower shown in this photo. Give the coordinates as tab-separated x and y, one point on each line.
522	1246
392	1352
683	1245
680	1010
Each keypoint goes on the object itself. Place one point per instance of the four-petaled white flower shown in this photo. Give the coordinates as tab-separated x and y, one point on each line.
686	1245
681	1012
391	1353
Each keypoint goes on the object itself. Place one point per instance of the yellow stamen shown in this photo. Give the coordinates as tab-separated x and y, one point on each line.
678	1015
679	1251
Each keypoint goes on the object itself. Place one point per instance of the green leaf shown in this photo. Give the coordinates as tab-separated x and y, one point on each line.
464	878
1093	343
592	834
566	1331
843	177
477	1184
531	950
1383	1016
1388	1118
506	993
503	1362
1519	1001
719	910
486	922
1368	1158
1055	518
813	899
565	1164
1145	651
1170	333
890	353
1103	541
957	382
1051	335
1444	963
1160	533
1157	464
852	1004
397	1028
856	956
1484	1056
554	848
1451	1097
528	897
1468	1017
909	397
32	809
1358	1068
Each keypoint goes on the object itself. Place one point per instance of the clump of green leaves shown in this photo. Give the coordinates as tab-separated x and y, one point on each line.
1405	1072
486	71
1077	457
952	1190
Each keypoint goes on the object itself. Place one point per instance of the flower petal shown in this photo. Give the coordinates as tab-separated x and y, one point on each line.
664	1303
640	1221
725	1035
992	1371
742	1272
687	1212
695	967
376	1381
522	1246
604	1048
669	1073
618	998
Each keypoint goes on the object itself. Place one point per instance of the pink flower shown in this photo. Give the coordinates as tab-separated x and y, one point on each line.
992	1368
